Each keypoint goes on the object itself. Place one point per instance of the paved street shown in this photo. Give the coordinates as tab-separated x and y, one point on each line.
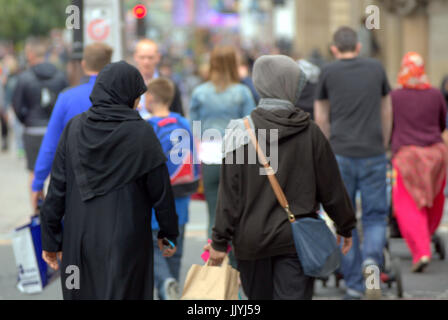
15	210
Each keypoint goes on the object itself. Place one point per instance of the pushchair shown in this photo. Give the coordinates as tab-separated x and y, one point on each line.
390	273
391	270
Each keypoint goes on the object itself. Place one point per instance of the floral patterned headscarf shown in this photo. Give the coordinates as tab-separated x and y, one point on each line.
412	73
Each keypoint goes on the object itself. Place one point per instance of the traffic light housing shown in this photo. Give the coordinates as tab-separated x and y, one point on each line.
140	12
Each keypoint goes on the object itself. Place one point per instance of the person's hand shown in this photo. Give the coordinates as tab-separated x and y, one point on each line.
216	257
166	252
346	246
51	258
35	197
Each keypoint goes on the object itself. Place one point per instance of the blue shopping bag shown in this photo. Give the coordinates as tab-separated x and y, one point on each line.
33	272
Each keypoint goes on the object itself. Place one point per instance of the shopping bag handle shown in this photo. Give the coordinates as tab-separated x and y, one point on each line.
224	263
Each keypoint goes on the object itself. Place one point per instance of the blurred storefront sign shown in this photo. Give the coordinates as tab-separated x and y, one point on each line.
102	23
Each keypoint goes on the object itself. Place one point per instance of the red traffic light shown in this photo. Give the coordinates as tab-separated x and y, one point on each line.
140	11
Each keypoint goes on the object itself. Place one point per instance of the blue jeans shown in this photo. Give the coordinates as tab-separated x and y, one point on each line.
368	177
165	268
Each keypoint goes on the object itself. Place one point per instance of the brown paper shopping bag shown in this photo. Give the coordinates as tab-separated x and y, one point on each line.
211	283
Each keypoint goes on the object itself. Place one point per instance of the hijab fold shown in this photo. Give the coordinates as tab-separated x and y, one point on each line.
112	144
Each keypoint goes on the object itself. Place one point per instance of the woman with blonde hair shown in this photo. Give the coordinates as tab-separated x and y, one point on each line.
214	103
419	158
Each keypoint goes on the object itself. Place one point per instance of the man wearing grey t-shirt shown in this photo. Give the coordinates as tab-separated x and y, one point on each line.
353	109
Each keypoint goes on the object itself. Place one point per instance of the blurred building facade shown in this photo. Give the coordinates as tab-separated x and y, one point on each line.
299	28
405	25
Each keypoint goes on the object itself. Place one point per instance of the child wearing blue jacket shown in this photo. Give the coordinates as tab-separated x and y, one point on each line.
177	142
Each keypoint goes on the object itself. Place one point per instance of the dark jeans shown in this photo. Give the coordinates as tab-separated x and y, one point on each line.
275	278
367	176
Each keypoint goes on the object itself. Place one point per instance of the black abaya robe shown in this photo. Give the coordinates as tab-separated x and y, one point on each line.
108	173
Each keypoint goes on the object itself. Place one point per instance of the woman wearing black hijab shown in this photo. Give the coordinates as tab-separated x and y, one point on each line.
108	172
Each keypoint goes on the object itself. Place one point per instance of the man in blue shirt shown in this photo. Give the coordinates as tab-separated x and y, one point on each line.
69	104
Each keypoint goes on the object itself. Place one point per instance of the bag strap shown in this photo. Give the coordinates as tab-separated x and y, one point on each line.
281	198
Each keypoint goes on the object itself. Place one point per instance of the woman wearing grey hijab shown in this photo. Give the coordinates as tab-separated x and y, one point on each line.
248	214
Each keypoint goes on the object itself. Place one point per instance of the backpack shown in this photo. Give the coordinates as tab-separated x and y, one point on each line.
48	96
184	171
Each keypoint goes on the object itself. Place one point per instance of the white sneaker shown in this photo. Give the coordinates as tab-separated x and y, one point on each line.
171	289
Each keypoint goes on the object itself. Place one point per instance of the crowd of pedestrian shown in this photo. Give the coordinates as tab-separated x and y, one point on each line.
125	154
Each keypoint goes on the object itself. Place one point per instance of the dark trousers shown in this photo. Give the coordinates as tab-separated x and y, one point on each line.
32	145
4	125
210	175
275	278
